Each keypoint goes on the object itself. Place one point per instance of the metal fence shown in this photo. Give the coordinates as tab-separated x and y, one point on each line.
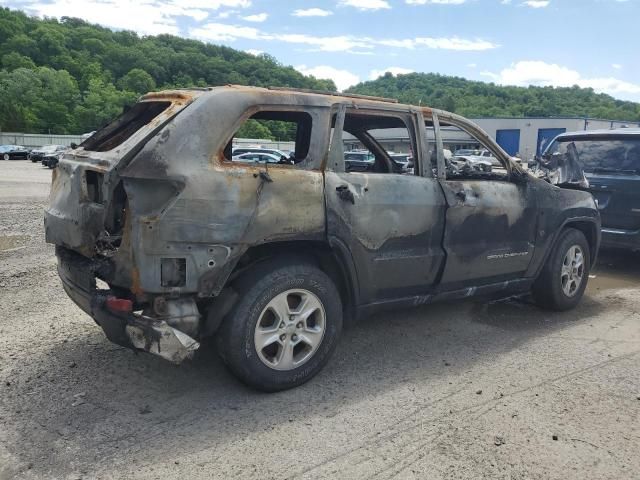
256	142
37	139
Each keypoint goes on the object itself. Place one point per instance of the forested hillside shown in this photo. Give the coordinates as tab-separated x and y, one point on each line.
478	99
69	76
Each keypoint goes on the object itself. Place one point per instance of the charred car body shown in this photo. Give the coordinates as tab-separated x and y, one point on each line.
164	240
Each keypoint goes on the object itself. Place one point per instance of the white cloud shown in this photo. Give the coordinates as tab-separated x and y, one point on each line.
540	73
435	2
366	4
617	66
254	52
537	3
221	32
258	17
443	43
326	44
159	16
227	14
312	12
342	78
218	32
393	70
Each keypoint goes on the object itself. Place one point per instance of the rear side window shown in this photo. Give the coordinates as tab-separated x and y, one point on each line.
287	132
608	153
118	131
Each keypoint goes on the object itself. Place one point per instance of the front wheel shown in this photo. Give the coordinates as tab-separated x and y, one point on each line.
564	277
6	156
284	327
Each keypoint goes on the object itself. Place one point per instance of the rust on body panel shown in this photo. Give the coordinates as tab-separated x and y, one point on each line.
167	218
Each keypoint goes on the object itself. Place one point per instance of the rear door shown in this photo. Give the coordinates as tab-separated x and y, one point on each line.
392	223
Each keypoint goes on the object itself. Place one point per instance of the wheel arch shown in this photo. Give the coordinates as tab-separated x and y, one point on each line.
330	256
591	231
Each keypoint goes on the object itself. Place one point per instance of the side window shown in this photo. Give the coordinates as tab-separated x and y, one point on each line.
378	143
466	157
280	137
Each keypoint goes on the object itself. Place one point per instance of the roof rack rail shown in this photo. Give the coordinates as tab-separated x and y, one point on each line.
335	94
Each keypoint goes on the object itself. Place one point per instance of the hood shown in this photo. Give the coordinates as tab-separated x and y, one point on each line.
561	169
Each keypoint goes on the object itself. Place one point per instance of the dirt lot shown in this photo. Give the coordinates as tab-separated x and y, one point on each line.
464	390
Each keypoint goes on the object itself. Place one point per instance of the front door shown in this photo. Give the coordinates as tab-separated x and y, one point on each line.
390	219
490	225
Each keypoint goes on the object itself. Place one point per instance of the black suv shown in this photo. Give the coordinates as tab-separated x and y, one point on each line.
273	258
610	160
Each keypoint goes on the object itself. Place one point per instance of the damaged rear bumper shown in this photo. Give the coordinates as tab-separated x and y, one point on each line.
135	331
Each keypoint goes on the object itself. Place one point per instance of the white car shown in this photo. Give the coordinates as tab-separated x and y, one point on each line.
257	157
271	151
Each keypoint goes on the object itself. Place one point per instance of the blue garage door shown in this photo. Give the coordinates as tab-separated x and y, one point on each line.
509	140
545	135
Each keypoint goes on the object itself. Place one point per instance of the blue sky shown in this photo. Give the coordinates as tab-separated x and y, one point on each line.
591	43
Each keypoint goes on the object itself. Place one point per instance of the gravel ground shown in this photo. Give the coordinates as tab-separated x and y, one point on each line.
459	390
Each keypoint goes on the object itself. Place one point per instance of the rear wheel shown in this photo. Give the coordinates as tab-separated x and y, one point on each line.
284	327
6	156
564	277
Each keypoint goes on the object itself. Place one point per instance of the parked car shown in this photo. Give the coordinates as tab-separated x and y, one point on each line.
258	158
270	151
51	159
474	162
358	161
402	161
273	260
610	160
461	152
13	152
37	154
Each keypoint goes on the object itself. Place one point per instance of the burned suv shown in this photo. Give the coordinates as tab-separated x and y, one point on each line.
165	240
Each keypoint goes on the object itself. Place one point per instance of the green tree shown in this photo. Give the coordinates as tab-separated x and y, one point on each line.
14	60
137	81
102	102
254	129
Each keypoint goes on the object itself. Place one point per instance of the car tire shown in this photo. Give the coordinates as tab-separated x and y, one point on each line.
564	277
6	156
265	349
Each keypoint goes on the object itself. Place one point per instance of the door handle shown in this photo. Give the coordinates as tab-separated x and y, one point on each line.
345	194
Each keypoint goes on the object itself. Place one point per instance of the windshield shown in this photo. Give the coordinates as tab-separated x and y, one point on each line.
49	148
604	154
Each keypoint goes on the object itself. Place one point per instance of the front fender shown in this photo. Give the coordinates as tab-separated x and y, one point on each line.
559	208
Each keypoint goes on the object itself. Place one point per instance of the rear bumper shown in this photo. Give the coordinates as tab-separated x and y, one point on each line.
134	331
616	238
